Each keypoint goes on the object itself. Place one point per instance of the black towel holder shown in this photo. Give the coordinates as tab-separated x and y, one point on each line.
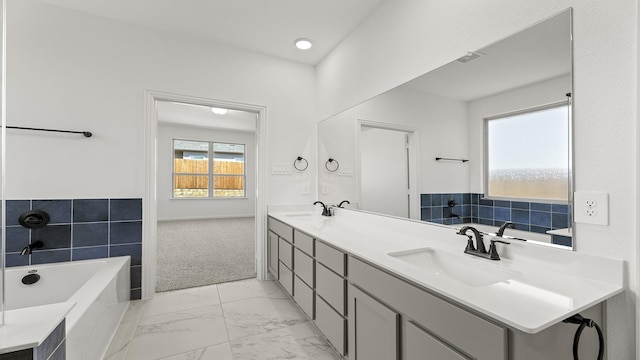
451	159
331	161
84	133
298	160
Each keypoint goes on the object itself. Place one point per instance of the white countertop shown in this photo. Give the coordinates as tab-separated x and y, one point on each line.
547	284
28	327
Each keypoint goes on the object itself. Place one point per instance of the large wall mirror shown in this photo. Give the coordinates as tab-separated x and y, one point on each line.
485	139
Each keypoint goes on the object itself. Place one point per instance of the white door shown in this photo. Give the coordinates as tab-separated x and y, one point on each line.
384	171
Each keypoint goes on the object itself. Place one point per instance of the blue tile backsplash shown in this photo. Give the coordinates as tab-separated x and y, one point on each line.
80	229
473	208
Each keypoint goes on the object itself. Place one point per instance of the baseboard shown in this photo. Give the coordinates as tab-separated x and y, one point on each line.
209	217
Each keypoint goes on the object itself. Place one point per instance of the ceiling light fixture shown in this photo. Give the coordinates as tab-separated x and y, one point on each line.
218	111
303	44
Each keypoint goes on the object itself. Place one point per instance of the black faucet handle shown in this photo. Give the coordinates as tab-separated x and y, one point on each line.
499	241
470	246
493	253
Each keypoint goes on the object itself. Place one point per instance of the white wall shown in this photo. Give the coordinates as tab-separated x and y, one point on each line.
406	38
70	70
442	132
538	94
173	209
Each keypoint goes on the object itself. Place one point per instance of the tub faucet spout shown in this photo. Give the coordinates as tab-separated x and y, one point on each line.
29	248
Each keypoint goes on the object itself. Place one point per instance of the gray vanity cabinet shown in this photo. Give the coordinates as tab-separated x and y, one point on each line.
417	342
284	246
304	270
331	309
448	328
373	329
272	253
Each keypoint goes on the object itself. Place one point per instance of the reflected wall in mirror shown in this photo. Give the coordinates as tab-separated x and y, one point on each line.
521	172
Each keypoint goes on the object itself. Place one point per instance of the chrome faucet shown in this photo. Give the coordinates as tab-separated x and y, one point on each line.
503	227
492	254
29	248
326	211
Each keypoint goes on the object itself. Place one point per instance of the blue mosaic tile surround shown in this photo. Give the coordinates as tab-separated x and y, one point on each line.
79	229
473	208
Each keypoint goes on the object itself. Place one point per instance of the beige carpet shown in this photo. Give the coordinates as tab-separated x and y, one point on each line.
195	253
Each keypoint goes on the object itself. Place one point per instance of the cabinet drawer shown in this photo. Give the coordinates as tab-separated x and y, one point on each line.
303	296
453	324
417	343
332	258
303	266
285	253
273	254
284	231
303	241
286	278
331	287
331	324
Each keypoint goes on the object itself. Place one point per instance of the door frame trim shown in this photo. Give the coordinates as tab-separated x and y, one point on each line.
149	209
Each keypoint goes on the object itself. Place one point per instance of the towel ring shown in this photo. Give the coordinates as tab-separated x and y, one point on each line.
330	168
298	160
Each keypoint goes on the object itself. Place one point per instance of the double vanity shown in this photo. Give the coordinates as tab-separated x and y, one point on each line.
384	288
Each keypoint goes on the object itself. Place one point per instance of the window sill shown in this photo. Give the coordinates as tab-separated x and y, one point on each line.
529	200
209	198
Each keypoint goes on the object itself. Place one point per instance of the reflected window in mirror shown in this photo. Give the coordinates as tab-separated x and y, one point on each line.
527	154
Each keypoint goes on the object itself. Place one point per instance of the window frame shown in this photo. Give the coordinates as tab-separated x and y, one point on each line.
211	175
485	154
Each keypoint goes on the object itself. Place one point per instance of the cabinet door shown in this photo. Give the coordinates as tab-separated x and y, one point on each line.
330	287
373	328
331	324
416	343
272	256
303	266
286	278
285	253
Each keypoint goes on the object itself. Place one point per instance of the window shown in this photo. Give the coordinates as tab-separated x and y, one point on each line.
527	154
204	169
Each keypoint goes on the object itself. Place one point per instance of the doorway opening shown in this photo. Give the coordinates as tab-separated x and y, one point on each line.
203	216
206	178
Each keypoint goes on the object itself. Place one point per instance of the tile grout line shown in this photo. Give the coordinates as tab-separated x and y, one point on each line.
224	320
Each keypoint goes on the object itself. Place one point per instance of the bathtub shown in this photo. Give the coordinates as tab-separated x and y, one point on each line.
100	289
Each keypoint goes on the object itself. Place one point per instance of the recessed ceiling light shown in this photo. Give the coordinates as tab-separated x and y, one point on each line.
218	111
303	44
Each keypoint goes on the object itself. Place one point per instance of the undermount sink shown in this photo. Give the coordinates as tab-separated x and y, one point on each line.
298	215
470	271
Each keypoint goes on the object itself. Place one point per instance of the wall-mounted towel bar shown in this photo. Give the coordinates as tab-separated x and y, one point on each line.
84	133
450	159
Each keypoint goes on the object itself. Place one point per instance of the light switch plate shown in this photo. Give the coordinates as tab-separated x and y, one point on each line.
591	207
281	169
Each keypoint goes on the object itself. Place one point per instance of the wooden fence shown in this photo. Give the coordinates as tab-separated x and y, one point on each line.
189	166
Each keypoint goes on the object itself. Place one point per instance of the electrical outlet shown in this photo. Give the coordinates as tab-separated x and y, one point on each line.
591	207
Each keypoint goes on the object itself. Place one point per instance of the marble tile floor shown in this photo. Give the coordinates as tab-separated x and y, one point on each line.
240	320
